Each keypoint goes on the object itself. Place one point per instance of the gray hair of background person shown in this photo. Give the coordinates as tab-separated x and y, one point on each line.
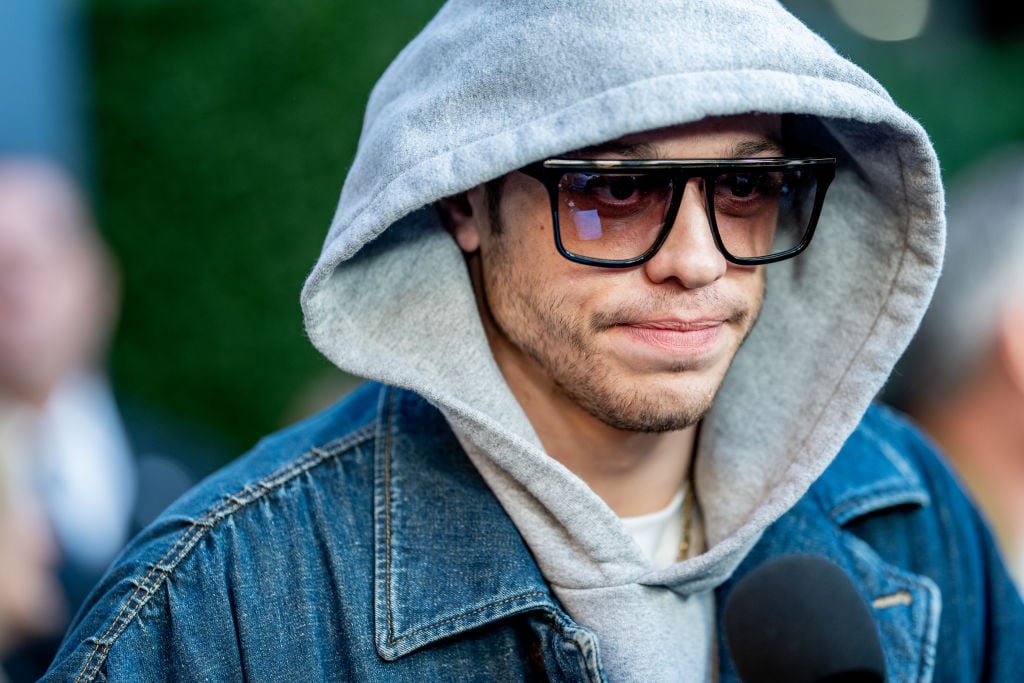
983	271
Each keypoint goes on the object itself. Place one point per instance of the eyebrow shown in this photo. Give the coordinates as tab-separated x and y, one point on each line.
643	150
640	150
753	148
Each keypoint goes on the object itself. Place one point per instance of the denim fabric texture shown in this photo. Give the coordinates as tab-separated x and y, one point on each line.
362	545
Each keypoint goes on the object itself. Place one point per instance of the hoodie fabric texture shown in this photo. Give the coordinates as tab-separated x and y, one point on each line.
489	87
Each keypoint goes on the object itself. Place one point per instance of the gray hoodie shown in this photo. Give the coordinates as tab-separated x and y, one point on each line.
490	86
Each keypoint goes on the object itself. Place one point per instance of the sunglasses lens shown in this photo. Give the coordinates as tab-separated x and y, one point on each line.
612	216
763	212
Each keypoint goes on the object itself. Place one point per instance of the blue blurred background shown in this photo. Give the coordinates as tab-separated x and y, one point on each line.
214	137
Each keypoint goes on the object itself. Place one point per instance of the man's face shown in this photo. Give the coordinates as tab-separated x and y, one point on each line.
642	349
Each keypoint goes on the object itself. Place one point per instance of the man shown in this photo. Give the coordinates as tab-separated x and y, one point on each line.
551	250
963	375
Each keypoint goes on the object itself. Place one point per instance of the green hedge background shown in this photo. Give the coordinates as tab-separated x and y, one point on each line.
223	131
222	134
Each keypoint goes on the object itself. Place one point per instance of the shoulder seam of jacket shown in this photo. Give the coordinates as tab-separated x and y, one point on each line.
229	504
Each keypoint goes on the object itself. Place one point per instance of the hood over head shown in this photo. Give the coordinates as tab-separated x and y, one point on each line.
488	87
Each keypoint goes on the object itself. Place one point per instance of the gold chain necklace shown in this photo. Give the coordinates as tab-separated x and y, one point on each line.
688	506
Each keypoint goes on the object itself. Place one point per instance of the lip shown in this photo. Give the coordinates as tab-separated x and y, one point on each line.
685	337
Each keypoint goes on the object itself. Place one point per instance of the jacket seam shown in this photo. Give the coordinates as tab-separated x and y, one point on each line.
464	615
387	510
878	499
231	503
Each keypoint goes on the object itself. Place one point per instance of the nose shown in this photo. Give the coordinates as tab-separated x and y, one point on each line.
689	254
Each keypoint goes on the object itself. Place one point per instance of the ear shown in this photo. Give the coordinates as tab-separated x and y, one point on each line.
462	216
1010	336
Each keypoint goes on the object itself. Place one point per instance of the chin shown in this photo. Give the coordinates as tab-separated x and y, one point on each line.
646	411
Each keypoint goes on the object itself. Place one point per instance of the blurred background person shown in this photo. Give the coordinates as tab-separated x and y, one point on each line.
963	376
94	476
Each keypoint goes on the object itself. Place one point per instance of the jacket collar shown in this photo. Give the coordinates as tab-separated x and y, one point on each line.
869	474
447	557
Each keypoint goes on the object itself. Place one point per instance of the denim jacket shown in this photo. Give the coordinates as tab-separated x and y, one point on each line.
362	545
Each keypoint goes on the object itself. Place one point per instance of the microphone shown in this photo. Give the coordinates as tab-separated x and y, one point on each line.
799	619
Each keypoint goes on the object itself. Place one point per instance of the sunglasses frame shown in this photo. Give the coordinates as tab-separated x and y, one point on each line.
550	171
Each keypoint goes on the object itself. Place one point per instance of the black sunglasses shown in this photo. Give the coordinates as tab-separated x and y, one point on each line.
618	213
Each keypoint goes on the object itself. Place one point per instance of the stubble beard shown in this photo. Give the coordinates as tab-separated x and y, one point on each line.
542	327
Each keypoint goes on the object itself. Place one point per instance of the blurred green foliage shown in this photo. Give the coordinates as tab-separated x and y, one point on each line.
224	129
968	94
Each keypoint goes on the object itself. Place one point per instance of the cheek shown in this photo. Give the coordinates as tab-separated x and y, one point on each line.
514	279
530	298
749	285
520	263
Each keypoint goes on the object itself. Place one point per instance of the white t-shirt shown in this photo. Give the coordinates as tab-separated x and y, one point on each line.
659	533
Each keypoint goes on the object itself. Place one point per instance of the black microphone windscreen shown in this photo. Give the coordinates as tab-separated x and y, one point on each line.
799	619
